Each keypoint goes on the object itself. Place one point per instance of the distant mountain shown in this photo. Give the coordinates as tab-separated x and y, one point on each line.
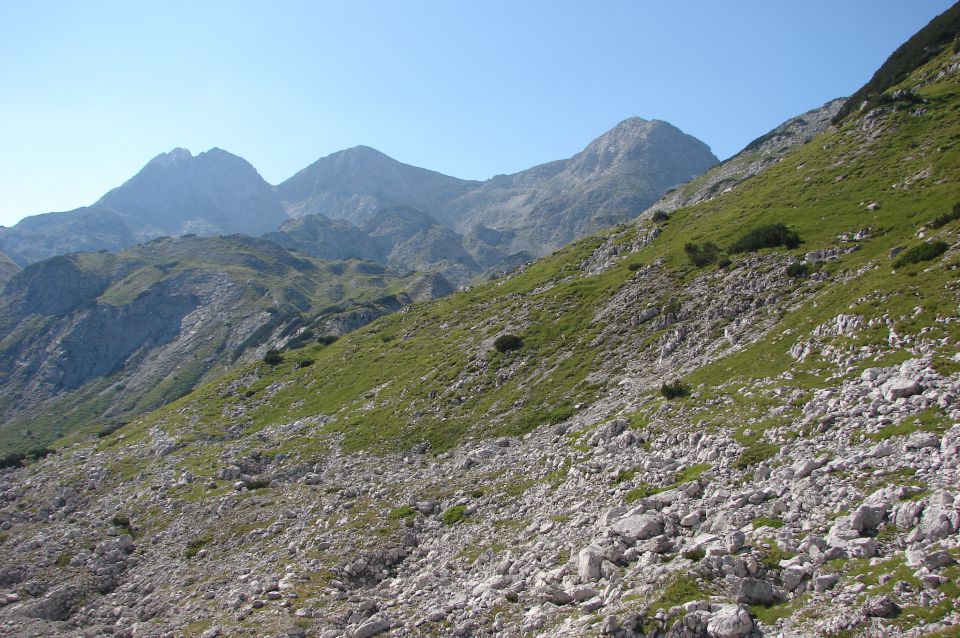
759	155
97	337
612	180
213	193
357	182
473	226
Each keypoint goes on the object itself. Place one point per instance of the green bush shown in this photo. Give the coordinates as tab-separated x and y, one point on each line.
702	254
756	453
660	216
634	266
674	390
946	218
508	342
327	339
120	520
769	236
273	357
305	363
923	252
798	270
453	515
256	484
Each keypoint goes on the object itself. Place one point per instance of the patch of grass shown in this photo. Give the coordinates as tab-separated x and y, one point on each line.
767	521
680	589
691	473
404	511
642	491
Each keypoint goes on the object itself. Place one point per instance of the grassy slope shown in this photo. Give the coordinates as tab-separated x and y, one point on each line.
270	278
389	385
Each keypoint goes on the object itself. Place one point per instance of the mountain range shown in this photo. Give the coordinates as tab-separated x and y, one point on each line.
466	227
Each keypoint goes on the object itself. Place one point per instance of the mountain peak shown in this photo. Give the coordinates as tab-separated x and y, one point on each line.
175	156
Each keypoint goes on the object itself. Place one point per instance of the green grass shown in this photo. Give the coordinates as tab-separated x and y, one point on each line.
756	453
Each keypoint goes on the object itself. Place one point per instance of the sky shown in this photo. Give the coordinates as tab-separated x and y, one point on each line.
91	91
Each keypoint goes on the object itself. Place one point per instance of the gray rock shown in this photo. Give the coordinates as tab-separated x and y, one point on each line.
731	621
589	561
899	387
753	591
881	607
371	627
638	527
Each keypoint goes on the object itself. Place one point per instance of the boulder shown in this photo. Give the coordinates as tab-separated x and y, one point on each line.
732	621
753	591
900	387
589	561
638	527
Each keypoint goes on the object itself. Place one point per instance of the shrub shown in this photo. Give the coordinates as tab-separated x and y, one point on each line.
256	484
660	216
798	270
453	515
695	555
120	520
305	363
327	339
923	252
768	236
273	357
702	254
674	390
756	453
634	266
508	342
193	547
946	218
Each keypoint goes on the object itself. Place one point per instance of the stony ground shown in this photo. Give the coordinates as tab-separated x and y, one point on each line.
777	508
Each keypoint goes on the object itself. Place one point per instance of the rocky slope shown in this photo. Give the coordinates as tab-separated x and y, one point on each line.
405	239
93	338
759	155
802	479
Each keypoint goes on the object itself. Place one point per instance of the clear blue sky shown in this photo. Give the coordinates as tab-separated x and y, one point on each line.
90	91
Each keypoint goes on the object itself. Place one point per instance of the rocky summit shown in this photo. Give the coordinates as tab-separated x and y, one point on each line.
735	418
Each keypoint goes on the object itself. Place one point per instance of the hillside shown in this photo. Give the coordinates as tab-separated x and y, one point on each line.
762	445
757	156
8	268
92	339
